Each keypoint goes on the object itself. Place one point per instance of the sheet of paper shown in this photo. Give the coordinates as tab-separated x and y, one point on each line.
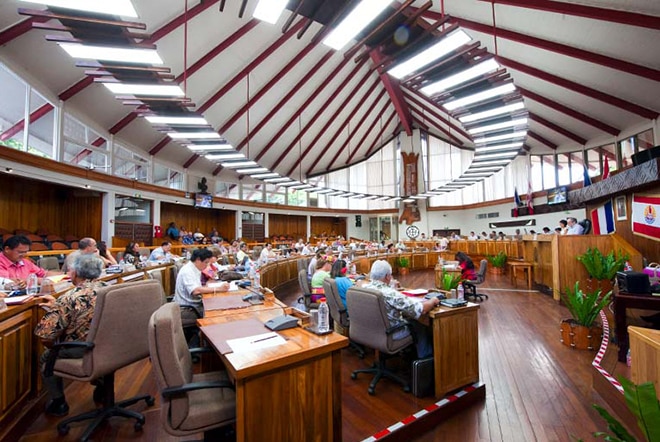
232	285
17	299
415	292
59	278
255	342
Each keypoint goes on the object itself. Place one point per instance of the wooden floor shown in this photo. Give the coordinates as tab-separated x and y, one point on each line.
536	388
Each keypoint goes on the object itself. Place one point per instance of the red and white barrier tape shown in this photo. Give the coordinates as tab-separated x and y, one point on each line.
601	353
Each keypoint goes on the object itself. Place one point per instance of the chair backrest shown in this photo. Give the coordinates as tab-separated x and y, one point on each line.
49	263
304	282
586	224
59	246
337	310
481	274
369	321
144	251
302	264
38	247
119	325
170	359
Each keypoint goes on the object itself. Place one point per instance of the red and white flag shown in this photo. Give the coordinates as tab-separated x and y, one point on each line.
606	169
645	211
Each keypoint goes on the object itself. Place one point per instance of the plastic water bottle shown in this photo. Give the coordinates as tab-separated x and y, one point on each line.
324	317
252	273
460	292
257	279
32	285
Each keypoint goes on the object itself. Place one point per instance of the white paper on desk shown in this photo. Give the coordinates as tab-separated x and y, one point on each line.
255	342
232	285
17	299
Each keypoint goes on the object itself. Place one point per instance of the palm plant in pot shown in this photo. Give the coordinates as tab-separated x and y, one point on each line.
602	268
403	263
581	331
449	281
497	262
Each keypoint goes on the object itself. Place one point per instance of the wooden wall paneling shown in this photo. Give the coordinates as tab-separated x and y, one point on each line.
328	225
206	219
570	246
294	226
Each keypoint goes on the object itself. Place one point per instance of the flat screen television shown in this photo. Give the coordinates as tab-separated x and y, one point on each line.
558	195
204	200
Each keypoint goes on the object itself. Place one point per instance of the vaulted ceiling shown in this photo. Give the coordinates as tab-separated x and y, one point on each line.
587	72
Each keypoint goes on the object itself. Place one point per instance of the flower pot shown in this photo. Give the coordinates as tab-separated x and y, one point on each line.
403	270
580	337
496	270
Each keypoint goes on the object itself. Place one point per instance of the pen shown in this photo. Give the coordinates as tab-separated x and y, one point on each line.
264	339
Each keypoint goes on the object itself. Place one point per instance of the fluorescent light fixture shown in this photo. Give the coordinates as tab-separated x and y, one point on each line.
159	90
492	112
335	193
468	180
438	50
190	121
263	175
107	53
328	191
396	198
492	156
370	197
496	126
476	165
383	198
238	164
291	183
301	186
269	10
277	180
252	170
408	200
363	14
477	174
499	147
482	170
358	196
193	135
481	96
225	156
509	136
198	147
461	77
114	7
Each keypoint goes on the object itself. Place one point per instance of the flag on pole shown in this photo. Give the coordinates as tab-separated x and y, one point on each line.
602	219
645	220
606	169
530	203
587	178
516	202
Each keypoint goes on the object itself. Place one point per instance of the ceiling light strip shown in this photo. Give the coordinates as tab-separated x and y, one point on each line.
492	112
461	77
497	126
480	96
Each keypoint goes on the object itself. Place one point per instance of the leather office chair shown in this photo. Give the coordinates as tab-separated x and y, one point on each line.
338	312
116	339
586	225
191	402
471	286
306	298
49	263
371	327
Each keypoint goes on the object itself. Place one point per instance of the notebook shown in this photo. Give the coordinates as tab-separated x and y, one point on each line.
453	302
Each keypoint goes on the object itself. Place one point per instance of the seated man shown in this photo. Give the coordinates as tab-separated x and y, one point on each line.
162	253
400	308
86	246
14	267
68	319
573	227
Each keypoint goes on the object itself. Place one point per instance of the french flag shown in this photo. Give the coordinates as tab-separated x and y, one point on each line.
602	219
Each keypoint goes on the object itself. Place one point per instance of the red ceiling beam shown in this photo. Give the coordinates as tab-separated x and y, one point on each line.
333	119
569	111
351	134
19	29
191	160
540	139
439	128
280	105
379	135
393	89
560	130
569	51
16	128
576	87
180	20
336	93
429	106
602	14
160	145
366	133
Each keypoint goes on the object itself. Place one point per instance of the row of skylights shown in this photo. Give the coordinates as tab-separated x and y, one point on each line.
122	8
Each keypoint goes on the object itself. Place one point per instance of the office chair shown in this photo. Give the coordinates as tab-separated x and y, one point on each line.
371	327
339	313
306	298
49	263
471	285
191	402
116	339
586	225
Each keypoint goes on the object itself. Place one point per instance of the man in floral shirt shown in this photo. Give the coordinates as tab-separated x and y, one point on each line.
401	308
68	319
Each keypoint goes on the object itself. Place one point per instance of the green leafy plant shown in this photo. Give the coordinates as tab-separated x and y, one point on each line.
450	281
403	261
600	266
498	260
642	401
584	307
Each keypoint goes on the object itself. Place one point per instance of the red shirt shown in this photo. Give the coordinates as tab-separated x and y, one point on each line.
20	269
467	274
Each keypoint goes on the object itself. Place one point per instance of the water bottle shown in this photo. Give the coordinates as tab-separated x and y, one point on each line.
460	292
32	285
257	279
324	317
252	273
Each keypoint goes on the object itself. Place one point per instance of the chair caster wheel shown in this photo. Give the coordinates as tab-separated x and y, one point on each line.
371	390
150	401
353	375
63	430
137	427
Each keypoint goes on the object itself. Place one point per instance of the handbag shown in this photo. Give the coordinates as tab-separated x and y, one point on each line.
653	270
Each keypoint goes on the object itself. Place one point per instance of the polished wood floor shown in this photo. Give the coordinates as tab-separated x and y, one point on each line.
536	388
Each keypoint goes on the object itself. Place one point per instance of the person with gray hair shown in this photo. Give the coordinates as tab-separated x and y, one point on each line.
573	227
68	318
86	246
401	308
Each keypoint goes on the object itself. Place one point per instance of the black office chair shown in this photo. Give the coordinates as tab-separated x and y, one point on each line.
586	225
471	285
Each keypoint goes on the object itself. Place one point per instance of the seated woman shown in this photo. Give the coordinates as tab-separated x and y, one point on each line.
132	253
105	255
323	267
467	266
338	273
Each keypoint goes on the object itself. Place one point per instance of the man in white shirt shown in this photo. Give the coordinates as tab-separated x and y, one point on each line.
86	246
573	227
162	253
473	237
267	253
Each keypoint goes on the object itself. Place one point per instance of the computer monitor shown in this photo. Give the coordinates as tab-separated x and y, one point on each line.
558	195
204	200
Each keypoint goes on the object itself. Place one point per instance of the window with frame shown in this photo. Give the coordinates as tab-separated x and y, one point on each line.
12	112
83	146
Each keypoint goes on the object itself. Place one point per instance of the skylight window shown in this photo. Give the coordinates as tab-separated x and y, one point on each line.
481	96
225	156
160	90
508	136
123	8
238	164
359	18
516	145
193	135
190	121
203	147
497	126
269	10
107	53
456	79
492	112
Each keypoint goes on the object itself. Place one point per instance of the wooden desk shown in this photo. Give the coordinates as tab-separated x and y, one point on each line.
455	347
291	392
520	265
270	303
623	301
645	356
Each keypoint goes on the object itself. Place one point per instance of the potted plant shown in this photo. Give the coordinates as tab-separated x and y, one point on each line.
497	262
581	331
403	263
449	281
602	268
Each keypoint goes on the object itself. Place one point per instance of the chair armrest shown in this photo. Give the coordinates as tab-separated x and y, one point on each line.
391	330
55	351
178	391
199	350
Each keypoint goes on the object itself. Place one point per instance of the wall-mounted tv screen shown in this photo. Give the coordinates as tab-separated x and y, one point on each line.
204	200
558	195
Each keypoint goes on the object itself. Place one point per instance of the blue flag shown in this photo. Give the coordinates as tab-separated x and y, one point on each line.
587	178
516	198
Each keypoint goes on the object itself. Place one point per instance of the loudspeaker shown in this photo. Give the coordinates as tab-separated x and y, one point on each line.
358	220
646	155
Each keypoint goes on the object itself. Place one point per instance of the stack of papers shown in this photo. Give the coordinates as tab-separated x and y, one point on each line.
255	342
415	292
15	300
